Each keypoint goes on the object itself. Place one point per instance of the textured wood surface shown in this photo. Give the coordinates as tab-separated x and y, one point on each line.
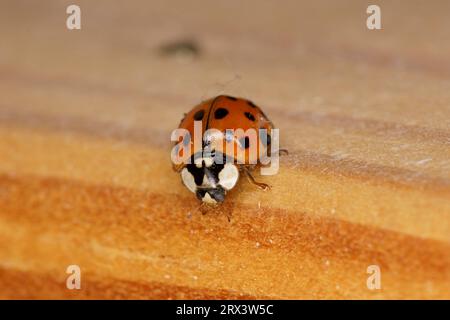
85	172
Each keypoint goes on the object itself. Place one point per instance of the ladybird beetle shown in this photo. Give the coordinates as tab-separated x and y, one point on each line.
207	177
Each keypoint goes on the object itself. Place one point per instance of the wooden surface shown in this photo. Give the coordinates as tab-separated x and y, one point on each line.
85	173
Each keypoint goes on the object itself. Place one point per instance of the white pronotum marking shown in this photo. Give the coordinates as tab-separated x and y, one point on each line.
228	176
188	180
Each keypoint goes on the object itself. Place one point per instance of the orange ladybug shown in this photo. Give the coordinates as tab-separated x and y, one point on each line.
234	134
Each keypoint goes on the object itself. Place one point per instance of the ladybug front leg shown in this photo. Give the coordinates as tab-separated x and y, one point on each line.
178	167
281	152
250	178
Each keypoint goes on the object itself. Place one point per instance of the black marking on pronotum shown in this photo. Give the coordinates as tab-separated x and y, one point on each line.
220	113
231	98
245	142
212	172
249	116
196	172
251	104
198	116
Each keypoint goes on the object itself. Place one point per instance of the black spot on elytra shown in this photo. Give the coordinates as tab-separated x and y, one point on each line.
231	98
245	142
251	104
265	138
220	113
249	116
198	116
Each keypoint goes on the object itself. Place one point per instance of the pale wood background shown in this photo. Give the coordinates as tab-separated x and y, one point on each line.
85	174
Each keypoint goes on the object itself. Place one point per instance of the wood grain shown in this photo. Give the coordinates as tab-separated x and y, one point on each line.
85	172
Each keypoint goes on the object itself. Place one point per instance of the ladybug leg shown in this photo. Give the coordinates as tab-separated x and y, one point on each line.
281	152
250	178
203	208
227	212
178	167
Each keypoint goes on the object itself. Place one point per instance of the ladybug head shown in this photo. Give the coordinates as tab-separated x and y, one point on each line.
211	195
210	180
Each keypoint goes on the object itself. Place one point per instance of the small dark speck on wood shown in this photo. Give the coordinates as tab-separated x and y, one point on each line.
183	50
